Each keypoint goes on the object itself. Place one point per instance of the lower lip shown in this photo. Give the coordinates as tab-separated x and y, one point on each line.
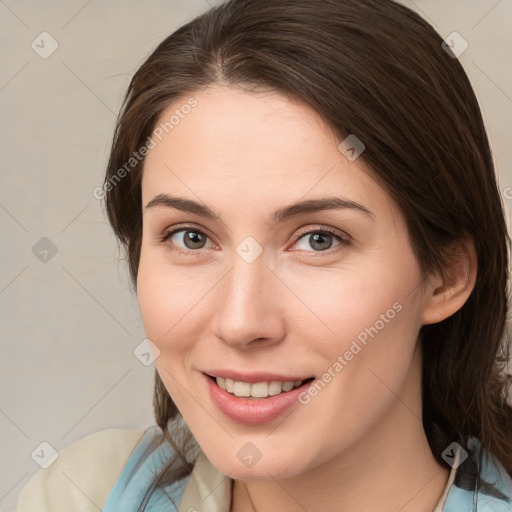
253	412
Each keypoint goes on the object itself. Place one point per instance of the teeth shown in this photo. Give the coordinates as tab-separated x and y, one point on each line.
242	389
274	388
257	389
288	386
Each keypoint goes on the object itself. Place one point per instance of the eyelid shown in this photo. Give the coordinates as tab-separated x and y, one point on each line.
322	229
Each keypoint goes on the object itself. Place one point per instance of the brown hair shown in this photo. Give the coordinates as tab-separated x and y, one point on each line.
375	69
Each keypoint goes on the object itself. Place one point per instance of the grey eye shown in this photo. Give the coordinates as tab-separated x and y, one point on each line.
319	241
190	239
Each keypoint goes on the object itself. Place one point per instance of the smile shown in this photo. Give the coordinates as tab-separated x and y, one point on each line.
256	402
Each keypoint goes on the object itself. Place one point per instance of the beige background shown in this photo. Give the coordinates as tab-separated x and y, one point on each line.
69	325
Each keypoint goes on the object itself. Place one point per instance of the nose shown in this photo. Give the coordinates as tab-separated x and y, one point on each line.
248	309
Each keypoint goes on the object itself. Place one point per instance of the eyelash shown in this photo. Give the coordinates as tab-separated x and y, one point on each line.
343	241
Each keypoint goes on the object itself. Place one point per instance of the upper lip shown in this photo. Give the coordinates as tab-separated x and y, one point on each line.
252	377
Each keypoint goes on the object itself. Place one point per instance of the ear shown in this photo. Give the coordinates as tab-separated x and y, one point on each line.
448	293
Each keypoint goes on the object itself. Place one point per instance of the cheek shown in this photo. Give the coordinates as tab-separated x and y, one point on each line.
171	301
366	363
355	301
167	314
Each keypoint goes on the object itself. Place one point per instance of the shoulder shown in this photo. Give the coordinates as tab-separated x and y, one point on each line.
83	474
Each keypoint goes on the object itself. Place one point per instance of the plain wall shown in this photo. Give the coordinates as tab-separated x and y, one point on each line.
69	325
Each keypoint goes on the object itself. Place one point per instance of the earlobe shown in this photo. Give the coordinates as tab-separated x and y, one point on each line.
448	293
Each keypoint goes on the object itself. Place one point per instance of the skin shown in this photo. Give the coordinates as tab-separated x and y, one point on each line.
294	309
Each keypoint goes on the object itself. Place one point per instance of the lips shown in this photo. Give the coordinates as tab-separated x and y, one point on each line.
249	410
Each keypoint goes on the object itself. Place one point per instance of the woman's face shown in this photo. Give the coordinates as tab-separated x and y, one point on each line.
249	288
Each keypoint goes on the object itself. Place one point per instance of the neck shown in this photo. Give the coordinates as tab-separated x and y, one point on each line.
389	468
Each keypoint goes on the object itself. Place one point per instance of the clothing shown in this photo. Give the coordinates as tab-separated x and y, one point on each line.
83	474
114	471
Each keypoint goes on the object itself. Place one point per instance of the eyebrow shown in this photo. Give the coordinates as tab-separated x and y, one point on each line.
287	212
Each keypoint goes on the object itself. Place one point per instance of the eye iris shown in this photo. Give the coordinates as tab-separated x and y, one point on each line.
318	238
194	240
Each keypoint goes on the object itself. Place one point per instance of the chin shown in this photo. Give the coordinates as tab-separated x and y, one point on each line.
269	469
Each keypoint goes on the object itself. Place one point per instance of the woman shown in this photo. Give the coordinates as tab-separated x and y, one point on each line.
308	202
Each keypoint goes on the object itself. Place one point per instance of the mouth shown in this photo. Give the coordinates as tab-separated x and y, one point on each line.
257	402
258	390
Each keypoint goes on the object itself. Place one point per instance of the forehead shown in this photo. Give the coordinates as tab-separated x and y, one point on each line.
250	146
